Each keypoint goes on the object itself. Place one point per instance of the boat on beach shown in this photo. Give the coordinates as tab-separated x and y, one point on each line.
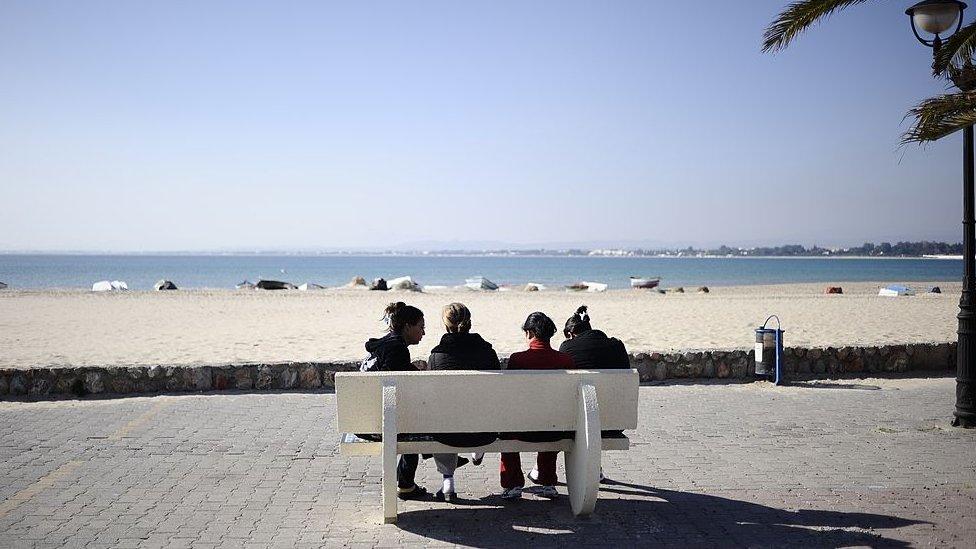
644	283
480	283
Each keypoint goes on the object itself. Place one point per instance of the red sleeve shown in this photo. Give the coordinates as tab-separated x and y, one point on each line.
568	361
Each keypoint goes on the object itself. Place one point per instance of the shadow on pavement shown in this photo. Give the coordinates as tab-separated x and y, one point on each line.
647	516
825	385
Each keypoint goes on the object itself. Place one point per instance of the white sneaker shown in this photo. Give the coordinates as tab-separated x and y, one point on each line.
534	476
512	493
548	492
476	458
447	492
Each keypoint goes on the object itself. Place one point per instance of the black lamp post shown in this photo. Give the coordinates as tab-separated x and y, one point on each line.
936	17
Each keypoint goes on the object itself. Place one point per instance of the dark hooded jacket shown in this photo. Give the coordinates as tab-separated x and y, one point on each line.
593	350
463	352
388	354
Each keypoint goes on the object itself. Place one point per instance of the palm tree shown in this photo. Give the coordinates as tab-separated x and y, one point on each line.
935	117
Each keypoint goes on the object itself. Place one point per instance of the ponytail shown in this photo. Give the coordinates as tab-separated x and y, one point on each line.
399	315
578	323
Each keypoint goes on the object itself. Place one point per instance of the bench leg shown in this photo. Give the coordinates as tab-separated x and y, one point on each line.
389	454
583	462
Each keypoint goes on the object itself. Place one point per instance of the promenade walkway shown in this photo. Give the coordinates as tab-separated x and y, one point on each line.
869	463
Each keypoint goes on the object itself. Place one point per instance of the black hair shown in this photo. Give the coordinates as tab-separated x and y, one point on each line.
578	323
540	326
399	315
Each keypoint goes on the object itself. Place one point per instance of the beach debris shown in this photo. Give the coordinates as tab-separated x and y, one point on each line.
113	286
703	289
3	285
164	285
311	286
403	283
934	290
577	287
678	290
480	283
357	282
244	285
834	290
645	283
379	284
896	290
534	287
274	285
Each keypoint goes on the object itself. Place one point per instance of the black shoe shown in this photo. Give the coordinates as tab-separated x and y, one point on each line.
418	493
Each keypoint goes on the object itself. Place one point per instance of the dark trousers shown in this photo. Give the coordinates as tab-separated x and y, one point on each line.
511	469
407	470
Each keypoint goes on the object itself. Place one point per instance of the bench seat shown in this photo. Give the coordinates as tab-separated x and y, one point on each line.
351	445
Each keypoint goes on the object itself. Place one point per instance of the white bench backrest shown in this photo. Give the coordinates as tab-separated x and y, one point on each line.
476	401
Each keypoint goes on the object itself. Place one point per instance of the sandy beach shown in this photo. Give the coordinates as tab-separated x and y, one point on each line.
76	328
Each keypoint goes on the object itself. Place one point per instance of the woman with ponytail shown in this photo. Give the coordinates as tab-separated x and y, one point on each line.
460	349
592	349
390	354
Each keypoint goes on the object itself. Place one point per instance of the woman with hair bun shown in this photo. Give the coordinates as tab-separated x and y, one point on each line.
460	349
538	329
592	349
390	354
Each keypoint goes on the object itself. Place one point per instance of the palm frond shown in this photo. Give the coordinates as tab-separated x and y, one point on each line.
940	116
956	51
796	18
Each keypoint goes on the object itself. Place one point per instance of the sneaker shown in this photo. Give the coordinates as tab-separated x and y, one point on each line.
603	479
415	493
477	458
534	476
512	493
447	492
548	492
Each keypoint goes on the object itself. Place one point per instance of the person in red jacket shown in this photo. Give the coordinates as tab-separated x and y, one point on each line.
538	329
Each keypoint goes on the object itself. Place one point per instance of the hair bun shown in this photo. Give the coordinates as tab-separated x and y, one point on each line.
581	312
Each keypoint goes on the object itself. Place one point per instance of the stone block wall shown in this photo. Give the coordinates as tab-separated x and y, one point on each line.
805	363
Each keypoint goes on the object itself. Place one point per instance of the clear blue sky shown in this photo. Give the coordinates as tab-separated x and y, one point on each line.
207	125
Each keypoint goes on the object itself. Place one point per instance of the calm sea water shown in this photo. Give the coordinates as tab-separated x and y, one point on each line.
224	271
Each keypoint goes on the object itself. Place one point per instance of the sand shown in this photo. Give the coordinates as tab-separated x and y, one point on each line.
76	328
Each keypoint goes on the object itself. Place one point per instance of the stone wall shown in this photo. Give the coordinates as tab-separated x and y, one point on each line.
802	363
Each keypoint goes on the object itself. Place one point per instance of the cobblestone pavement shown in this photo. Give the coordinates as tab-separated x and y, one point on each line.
869	463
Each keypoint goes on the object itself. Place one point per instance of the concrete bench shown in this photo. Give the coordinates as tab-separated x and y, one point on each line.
581	401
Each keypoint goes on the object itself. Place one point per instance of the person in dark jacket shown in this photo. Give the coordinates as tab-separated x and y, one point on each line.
592	349
538	329
390	354
460	349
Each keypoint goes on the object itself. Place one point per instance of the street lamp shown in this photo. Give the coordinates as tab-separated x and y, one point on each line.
936	17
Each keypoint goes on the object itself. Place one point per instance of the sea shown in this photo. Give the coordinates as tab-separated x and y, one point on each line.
140	272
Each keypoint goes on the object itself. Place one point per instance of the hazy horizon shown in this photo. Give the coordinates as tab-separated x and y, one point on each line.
234	126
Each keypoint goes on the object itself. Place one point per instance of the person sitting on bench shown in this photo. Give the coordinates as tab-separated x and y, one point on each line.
538	329
390	354
592	349
460	349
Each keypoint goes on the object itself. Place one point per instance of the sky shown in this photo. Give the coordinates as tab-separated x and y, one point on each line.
161	126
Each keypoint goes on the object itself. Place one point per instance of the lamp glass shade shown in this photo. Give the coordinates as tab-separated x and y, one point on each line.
936	17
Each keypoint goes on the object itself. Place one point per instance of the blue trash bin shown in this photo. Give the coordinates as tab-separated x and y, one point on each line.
769	351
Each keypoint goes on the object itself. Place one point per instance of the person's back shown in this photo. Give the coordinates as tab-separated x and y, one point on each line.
592	349
463	351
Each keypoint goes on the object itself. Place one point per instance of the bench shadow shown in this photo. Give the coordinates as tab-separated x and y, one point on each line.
824	385
641	515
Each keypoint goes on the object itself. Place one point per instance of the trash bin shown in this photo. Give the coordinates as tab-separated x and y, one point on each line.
769	351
